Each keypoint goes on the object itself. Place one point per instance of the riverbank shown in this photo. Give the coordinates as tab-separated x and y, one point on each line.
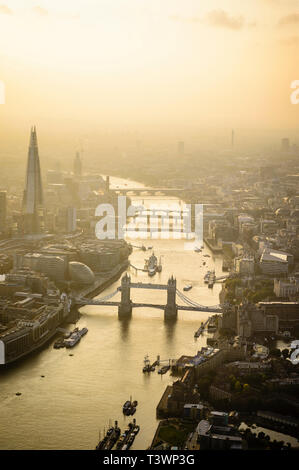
102	282
214	248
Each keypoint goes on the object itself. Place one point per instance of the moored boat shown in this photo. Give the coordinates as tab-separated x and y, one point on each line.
110	439
129	407
147	365
163	370
127	438
187	287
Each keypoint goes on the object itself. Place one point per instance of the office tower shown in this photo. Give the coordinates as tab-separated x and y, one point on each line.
285	144
71	224
54	177
77	165
71	196
53	266
107	184
181	148
33	201
66	219
2	211
295	148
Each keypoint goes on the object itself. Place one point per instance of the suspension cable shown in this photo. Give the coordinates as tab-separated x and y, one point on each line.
103	299
185	299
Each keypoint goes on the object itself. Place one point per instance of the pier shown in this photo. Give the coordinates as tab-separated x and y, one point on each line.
137	269
201	329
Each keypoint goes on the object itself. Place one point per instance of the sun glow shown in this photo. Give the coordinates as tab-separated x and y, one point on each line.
148	63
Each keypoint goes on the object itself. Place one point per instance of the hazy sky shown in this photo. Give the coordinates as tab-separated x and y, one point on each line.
148	64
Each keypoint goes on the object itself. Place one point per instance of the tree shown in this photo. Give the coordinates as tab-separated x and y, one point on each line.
275	352
285	353
238	386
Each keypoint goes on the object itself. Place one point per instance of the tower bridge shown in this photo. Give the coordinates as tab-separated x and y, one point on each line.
125	306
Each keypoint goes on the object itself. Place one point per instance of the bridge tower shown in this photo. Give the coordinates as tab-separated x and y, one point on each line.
125	307
171	310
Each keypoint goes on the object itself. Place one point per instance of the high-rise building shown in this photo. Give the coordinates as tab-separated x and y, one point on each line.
66	219
77	165
55	267
71	224
181	148
107	184
2	211
33	201
285	144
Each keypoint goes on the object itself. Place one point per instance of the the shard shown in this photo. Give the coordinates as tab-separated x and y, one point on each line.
33	202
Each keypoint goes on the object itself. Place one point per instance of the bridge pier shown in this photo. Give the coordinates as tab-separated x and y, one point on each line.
171	310
125	307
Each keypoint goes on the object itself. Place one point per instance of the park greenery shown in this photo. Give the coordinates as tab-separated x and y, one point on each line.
237	291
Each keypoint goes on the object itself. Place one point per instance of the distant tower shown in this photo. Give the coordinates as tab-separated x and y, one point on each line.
71	222
285	144
2	211
181	148
107	184
77	165
233	139
33	201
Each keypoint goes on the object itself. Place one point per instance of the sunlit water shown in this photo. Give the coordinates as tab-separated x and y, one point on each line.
80	394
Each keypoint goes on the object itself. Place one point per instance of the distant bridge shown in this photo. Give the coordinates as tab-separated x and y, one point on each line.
126	305
150	191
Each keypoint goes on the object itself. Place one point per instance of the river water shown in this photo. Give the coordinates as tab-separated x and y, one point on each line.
79	394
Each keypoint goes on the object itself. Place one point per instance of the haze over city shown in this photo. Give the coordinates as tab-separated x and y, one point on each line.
92	70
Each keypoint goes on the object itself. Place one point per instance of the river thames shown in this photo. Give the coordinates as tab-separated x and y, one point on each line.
80	394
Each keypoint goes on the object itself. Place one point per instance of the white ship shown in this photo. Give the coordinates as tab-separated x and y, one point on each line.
152	266
187	287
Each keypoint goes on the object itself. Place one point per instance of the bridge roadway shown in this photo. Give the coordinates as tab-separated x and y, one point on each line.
160	230
146	190
148	285
81	302
125	305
